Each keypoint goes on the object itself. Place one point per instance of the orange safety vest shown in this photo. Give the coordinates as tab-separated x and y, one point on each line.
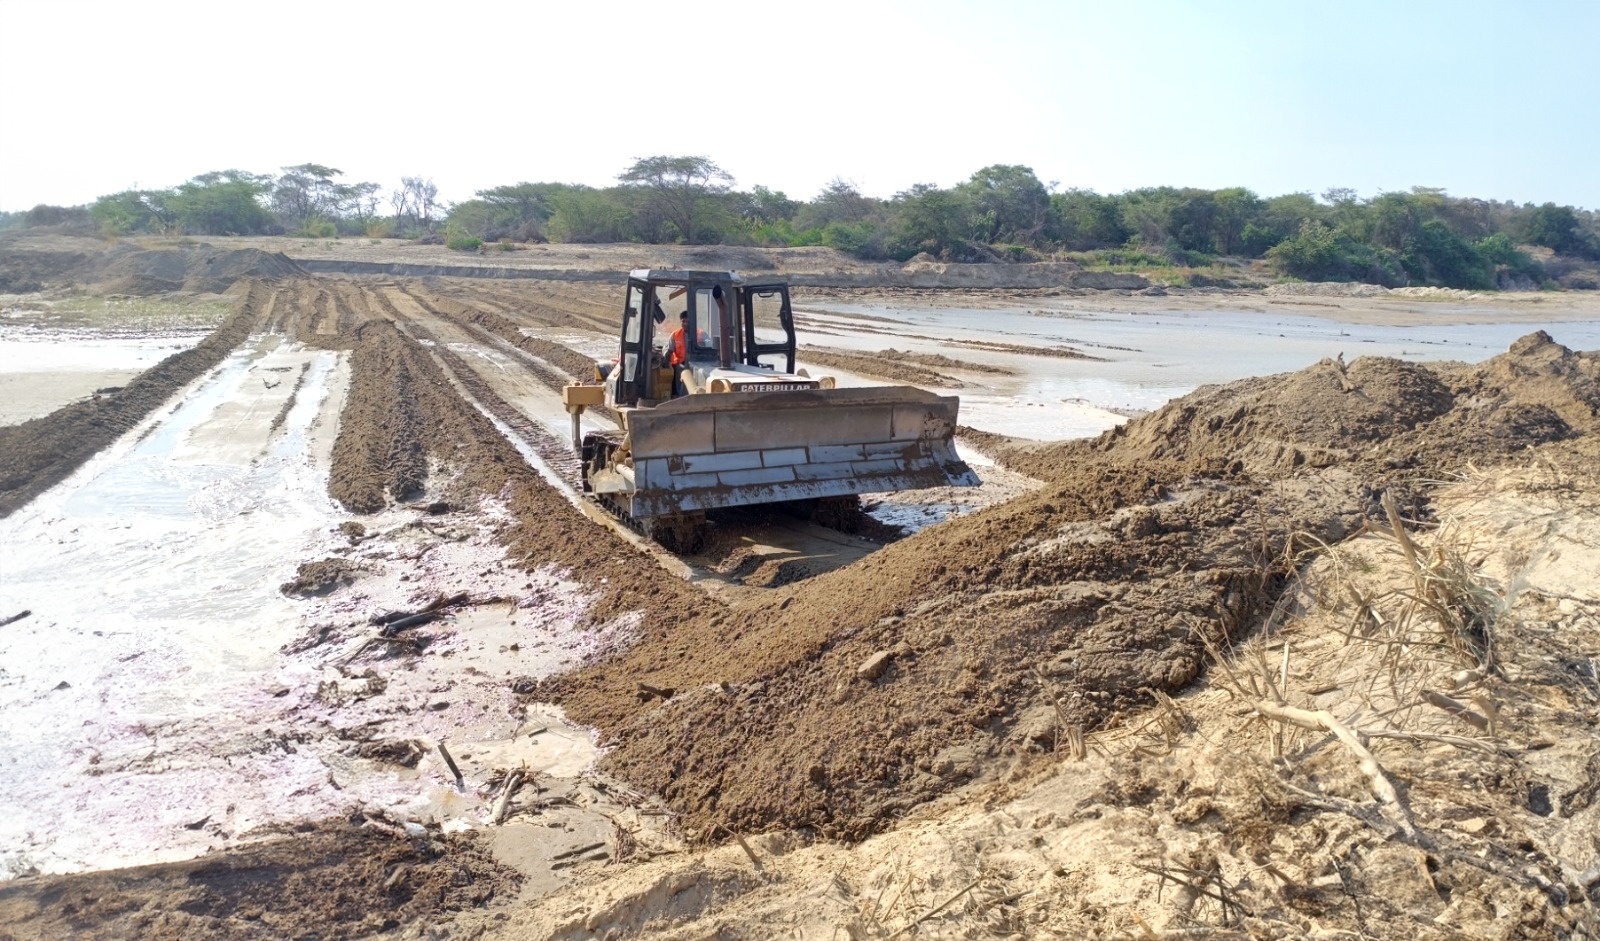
680	347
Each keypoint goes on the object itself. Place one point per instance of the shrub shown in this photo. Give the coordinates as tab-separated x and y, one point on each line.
463	243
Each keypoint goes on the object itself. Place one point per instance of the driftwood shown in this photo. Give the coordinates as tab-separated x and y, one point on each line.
15	618
409	621
391	618
503	805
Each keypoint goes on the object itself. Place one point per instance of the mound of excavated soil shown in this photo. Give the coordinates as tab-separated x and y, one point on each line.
839	705
29	262
42	452
336	881
213	273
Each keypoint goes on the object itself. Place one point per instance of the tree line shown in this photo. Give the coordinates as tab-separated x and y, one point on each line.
1002	212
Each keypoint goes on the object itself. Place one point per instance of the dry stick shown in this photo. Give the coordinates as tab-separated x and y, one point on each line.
580	851
1379	782
1456	740
944	905
15	618
1457	708
742	845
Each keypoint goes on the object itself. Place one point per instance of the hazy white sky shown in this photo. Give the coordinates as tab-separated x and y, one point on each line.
1483	97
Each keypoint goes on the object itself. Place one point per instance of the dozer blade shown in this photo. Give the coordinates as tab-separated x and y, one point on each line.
702	452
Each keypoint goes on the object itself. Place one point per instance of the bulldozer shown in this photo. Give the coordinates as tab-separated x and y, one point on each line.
715	414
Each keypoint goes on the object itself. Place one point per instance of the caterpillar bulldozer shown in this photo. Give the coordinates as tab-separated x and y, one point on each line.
715	415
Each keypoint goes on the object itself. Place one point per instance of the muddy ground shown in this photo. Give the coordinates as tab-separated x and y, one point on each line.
1019	722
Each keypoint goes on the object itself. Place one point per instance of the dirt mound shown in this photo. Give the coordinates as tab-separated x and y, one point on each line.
191	268
1319	416
215	272
866	691
146	272
42	452
340	880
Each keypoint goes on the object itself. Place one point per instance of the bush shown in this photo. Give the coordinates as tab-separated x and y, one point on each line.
463	243
321	229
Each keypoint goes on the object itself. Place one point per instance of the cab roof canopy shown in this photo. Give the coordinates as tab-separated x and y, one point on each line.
675	275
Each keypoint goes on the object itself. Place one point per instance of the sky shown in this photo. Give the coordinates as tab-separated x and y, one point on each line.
1496	100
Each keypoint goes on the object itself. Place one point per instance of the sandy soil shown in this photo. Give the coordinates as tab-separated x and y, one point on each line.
1237	668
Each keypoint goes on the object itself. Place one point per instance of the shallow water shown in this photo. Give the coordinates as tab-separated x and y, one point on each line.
1145	359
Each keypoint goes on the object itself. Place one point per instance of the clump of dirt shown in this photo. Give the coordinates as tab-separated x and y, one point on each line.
1084	599
41	452
319	577
335	881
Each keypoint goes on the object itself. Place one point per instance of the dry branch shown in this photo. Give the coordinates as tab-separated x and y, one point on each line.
1377	780
1457	708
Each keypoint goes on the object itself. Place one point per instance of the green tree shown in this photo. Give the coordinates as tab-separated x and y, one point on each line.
585	214
762	206
1007	203
681	189
839	202
521	210
1082	219
1236	208
1437	255
224	202
929	219
305	192
125	212
1554	227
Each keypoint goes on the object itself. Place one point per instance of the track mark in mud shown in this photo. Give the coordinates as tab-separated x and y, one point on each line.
42	452
573	366
554	451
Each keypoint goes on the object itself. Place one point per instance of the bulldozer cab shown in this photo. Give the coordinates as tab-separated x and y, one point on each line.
721	332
